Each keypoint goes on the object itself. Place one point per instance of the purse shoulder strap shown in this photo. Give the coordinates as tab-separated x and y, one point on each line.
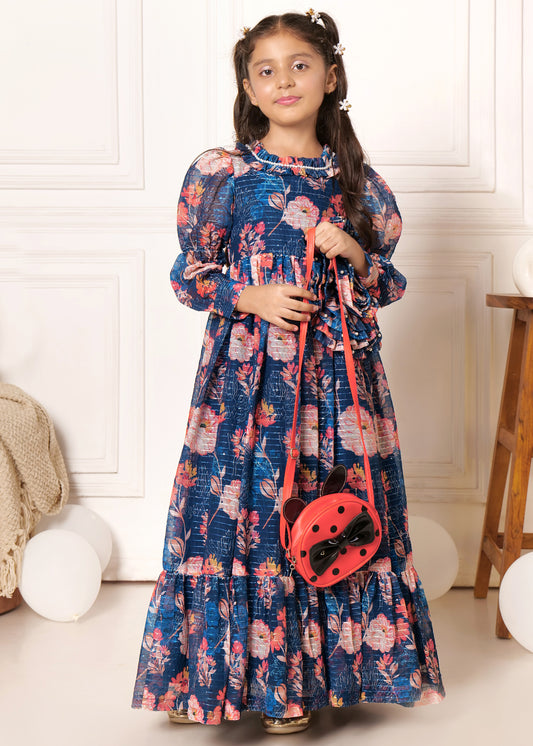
350	368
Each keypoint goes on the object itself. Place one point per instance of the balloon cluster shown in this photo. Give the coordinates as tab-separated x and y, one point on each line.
63	563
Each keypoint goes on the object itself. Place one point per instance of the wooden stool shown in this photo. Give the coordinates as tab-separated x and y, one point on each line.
514	437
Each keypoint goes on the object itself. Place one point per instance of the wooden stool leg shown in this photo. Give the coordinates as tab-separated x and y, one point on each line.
498	478
520	469
488	554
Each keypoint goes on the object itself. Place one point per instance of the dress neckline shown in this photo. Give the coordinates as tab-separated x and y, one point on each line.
323	165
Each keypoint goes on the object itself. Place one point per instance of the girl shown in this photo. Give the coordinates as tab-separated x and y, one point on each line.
230	627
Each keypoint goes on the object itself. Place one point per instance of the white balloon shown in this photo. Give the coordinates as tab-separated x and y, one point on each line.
523	268
435	556
60	575
85	522
516	600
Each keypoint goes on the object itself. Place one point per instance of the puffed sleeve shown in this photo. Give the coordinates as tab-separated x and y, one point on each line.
384	283
204	220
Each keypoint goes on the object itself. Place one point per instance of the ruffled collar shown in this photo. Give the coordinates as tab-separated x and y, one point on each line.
323	165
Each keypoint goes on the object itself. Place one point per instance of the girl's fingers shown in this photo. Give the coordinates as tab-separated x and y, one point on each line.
296	315
306	307
285	325
292	290
299	307
326	231
328	243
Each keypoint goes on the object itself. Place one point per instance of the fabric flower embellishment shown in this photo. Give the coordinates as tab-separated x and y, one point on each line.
313	15
243	32
345	105
339	49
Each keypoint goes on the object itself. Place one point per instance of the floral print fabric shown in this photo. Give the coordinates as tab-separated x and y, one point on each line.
229	626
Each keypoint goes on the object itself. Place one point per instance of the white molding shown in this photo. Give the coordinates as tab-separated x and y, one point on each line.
119	162
120	473
464	479
108	152
224	20
463	220
461	152
471	165
107	462
61	219
527	93
453	471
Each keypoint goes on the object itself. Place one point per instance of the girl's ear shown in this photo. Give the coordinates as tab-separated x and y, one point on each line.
331	79
249	90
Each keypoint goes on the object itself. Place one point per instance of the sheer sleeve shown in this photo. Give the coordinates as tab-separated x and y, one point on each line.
204	220
384	283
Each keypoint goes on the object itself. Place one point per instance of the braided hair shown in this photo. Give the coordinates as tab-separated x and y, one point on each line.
333	127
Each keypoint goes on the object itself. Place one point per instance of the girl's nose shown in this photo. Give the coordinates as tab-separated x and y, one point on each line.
285	80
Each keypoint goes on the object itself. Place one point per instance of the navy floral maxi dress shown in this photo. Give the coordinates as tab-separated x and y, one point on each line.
229	627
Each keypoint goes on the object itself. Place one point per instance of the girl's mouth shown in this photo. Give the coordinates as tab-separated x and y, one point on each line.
287	100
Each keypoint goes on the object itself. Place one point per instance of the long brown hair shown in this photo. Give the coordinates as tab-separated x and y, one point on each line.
333	127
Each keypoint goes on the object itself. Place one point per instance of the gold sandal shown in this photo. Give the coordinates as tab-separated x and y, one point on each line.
285	725
179	716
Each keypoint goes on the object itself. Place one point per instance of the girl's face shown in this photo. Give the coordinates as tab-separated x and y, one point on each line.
287	80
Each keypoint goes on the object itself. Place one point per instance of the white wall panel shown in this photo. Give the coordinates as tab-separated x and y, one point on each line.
85	322
527	119
110	100
77	319
75	102
436	347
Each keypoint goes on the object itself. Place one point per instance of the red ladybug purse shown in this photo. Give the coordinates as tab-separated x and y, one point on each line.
337	533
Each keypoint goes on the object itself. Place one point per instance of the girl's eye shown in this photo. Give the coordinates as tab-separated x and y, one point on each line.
300	65
266	72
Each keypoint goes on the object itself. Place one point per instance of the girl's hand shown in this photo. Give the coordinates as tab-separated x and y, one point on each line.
332	241
276	303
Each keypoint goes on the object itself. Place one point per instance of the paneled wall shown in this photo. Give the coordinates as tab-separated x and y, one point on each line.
108	103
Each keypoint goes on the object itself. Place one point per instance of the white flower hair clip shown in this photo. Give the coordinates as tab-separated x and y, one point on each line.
345	105
339	49
314	16
243	33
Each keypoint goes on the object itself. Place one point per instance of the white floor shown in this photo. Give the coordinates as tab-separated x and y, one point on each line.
71	684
